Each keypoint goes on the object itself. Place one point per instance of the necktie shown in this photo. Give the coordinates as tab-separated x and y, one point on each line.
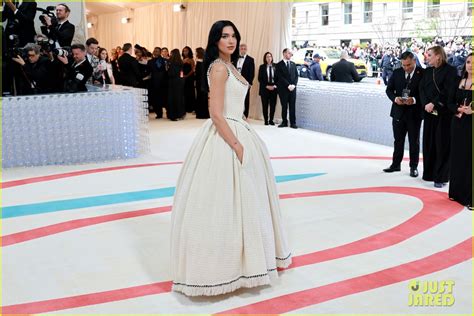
59	26
288	66
270	75
408	80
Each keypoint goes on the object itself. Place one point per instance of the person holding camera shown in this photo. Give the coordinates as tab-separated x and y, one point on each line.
20	20
36	70
59	29
406	112
79	70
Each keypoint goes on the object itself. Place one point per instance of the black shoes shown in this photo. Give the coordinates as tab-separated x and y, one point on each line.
294	126
283	125
271	123
438	185
391	169
413	172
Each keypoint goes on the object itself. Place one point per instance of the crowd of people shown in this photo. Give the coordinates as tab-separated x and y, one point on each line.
444	101
384	59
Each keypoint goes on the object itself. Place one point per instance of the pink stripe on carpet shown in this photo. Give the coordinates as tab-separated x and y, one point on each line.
291	302
27	235
14	183
437	208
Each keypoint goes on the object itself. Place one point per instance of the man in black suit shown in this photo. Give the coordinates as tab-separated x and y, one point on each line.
61	32
20	23
344	71
156	89
129	68
20	20
286	81
246	66
79	70
403	90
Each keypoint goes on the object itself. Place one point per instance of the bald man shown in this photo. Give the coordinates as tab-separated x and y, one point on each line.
344	71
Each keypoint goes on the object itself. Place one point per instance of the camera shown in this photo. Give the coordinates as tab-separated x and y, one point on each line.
45	43
49	11
13	47
62	51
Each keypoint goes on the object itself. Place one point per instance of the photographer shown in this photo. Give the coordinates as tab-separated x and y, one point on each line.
35	72
78	71
58	28
20	21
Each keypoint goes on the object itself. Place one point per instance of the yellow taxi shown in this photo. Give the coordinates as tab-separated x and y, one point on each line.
303	57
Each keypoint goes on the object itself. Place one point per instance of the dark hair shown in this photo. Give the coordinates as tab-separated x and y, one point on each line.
92	41
406	55
126	47
190	54
212	51
78	46
464	69
285	50
200	52
65	7
163	48
175	57
101	50
265	57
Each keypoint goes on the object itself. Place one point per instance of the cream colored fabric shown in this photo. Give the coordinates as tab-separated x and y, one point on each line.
264	26
226	222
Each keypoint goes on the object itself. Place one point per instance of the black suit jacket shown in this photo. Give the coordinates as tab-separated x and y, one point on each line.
129	70
76	77
344	71
395	86
263	78
21	23
248	69
284	77
64	35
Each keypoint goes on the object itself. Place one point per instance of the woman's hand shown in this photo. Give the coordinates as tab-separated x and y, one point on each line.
239	151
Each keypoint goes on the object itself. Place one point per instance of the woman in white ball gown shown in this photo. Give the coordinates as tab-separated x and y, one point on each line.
226	224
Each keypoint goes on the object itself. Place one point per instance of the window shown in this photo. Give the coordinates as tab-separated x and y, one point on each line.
469	8
368	8
407	9
324	8
347	5
433	8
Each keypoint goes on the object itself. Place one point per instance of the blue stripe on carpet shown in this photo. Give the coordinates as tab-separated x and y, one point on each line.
109	199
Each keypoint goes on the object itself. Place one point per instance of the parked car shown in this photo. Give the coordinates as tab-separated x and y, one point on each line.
329	56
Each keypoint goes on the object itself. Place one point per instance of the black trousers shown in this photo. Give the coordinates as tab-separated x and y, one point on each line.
400	129
247	104
269	98
436	147
288	99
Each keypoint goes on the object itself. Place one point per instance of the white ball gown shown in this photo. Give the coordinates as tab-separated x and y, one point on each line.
226	224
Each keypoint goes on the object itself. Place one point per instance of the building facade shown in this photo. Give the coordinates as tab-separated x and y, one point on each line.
330	23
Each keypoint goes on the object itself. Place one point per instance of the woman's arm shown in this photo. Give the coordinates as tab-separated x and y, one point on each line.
218	78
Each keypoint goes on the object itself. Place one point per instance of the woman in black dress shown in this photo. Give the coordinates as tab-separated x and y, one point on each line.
268	92
438	82
175	109
460	186
188	71
202	106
